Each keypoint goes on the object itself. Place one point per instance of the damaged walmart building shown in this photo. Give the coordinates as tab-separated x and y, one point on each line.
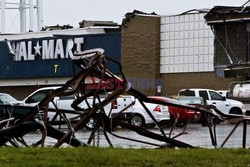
159	54
182	50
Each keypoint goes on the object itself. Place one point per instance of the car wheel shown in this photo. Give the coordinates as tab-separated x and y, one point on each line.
137	120
166	123
235	111
90	124
181	124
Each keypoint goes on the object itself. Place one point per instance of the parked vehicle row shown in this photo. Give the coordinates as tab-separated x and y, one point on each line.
135	113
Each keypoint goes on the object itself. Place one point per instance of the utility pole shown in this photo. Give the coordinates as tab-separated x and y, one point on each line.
35	22
3	6
39	15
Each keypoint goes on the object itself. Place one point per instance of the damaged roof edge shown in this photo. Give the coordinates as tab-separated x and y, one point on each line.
205	10
147	15
74	31
192	11
223	14
228	20
130	15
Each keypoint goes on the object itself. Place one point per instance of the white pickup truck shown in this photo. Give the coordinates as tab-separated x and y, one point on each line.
211	97
135	114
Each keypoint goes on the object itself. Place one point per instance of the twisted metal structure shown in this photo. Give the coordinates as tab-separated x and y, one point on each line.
89	64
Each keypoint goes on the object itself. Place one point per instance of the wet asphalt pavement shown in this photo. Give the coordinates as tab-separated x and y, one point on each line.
195	135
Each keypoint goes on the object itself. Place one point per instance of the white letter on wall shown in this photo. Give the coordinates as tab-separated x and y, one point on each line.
22	52
30	55
78	42
69	47
48	49
59	49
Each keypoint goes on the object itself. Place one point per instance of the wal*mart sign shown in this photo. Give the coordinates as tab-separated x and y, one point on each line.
47	49
51	56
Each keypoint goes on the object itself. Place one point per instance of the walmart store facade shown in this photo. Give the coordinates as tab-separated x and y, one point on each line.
32	60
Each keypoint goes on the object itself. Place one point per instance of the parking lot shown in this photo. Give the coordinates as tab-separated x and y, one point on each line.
195	135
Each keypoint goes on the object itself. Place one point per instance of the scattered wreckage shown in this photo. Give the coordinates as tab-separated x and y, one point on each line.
92	63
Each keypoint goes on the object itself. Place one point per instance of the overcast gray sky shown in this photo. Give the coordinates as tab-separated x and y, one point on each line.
73	11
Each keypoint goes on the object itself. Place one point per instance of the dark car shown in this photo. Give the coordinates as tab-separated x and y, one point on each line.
9	107
6	99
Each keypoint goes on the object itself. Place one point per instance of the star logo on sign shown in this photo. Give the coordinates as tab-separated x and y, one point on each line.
37	49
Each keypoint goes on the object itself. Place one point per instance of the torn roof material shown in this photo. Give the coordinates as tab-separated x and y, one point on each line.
224	14
73	31
130	15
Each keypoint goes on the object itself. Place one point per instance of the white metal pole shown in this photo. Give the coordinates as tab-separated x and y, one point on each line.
3	6
39	15
22	16
31	15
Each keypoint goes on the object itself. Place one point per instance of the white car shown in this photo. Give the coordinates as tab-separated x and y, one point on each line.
135	114
141	117
61	102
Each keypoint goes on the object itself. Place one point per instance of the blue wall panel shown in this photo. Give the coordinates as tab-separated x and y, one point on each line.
40	67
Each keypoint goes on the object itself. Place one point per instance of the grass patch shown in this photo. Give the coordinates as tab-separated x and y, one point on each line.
91	156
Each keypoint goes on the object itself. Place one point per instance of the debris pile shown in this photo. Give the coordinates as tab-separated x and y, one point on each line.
92	63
